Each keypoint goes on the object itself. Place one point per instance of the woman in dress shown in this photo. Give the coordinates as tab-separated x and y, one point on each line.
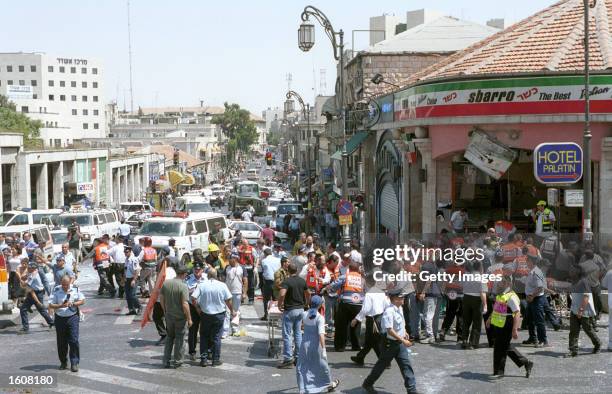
313	373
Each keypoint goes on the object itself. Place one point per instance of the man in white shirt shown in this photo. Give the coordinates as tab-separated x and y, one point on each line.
458	219
117	268
270	264
374	304
124	231
247	216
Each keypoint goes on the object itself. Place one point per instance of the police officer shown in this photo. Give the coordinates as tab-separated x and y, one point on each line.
35	296
132	272
66	300
395	343
505	321
192	282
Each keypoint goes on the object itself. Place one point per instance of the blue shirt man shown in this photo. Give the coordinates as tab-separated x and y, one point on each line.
66	255
270	265
34	282
211	296
60	269
60	295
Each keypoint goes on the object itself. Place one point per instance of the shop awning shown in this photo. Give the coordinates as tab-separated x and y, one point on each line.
351	145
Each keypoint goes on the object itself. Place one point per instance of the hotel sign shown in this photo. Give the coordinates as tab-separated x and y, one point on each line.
557	163
508	96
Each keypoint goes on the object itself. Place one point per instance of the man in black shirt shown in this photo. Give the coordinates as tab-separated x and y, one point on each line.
293	298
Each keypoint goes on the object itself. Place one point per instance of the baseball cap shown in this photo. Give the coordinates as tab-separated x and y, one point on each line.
541	203
32	264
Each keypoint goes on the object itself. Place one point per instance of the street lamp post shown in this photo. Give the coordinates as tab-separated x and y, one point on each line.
306	111
588	196
305	43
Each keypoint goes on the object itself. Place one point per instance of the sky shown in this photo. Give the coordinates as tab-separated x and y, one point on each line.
238	51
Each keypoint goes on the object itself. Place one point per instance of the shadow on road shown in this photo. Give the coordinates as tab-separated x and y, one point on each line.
40	368
135	343
467	375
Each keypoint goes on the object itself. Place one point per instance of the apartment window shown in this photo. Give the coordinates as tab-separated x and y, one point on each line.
9	69
73	70
51	83
74	111
96	112
62	84
33	68
21	82
95	99
96	126
9	82
51	97
21	69
33	82
34	96
94	70
62	97
85	112
50	69
83	84
73	84
95	85
84	99
83	70
25	109
85	126
57	142
73	97
62	69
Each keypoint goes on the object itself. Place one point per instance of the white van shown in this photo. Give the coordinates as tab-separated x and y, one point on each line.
191	203
128	208
26	216
252	174
40	234
189	229
93	223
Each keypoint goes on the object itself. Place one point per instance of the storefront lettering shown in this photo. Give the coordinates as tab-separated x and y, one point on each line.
490	97
62	60
529	93
557	162
595	91
450	97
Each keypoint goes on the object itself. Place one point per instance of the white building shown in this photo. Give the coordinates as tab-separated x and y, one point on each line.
64	93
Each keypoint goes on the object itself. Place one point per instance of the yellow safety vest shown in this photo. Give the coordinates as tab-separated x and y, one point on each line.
546	223
500	309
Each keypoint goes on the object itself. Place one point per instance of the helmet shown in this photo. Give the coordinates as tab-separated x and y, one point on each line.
213	248
542	203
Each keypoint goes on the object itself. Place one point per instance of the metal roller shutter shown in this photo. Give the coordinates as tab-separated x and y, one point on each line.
389	208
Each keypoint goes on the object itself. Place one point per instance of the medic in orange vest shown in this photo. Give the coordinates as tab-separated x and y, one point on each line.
148	256
512	250
246	253
317	276
101	256
350	285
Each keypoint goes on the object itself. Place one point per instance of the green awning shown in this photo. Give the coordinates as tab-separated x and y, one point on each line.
351	145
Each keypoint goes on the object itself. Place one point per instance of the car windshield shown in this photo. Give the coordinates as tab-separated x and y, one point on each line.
199	207
82	220
59	238
289	208
5	218
249	189
272	203
245	227
131	207
169	229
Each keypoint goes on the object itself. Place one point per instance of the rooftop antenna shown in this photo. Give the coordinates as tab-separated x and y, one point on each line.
289	78
322	82
130	56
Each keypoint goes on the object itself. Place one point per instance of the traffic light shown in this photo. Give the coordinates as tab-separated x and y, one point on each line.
269	158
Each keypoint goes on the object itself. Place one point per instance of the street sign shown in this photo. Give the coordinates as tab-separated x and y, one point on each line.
85	188
557	163
344	220
573	198
344	207
553	197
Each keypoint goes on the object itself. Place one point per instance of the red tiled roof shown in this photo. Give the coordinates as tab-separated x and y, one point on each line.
550	40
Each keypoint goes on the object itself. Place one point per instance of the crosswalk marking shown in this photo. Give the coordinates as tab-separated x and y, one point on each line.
149	353
225	366
121	381
158	370
124	319
248	312
68	389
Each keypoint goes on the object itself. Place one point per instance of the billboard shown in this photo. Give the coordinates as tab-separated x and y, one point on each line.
19	92
488	155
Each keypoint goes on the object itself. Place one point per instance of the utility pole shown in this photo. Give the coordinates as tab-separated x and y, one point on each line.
588	197
130	56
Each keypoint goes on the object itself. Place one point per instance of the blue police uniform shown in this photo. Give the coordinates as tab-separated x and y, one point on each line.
192	338
35	283
67	323
132	266
393	317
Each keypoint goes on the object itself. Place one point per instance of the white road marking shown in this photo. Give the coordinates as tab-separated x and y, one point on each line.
158	370
248	312
150	353
120	381
68	389
259	335
124	319
238	368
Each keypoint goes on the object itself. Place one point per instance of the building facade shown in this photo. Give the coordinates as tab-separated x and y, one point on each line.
65	93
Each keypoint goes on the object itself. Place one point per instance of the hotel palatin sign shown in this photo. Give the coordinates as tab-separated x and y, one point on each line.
508	96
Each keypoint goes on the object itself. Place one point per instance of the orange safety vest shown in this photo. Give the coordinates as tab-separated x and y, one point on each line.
102	253
312	277
510	251
246	255
353	283
150	255
522	269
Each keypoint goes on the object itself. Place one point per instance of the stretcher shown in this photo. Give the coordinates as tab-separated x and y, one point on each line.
274	318
560	291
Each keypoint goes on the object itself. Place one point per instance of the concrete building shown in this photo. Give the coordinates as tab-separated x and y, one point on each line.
65	93
51	178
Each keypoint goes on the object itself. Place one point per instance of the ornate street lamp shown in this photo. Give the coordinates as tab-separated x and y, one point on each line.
306	36
289	107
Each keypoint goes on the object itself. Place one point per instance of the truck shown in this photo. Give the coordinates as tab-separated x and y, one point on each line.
247	193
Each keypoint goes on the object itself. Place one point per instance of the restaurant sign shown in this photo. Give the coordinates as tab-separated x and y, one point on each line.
508	96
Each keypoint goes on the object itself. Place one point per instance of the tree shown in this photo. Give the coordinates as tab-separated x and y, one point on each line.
10	120
238	127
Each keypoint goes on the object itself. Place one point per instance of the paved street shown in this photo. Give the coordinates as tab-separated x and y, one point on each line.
118	357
